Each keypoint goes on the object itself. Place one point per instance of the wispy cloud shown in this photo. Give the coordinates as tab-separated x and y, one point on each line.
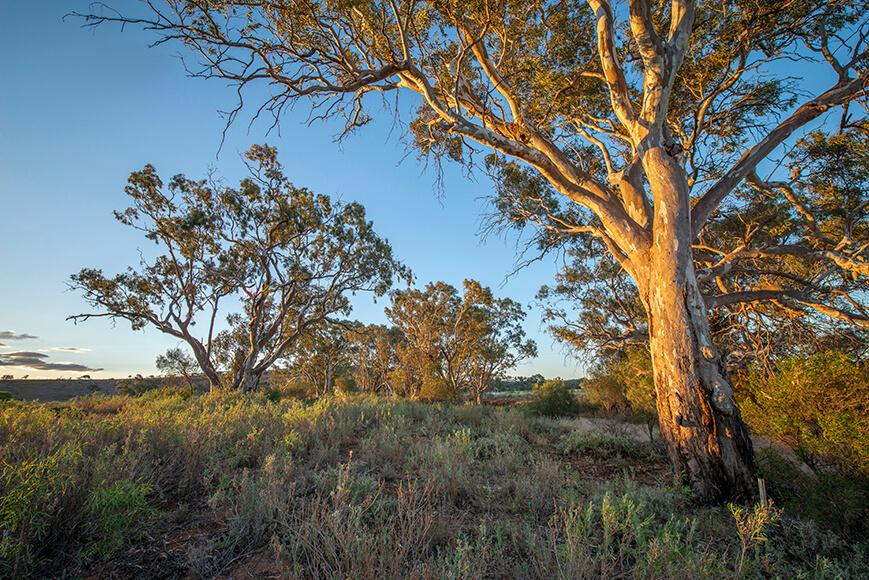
3	345
36	361
71	349
10	335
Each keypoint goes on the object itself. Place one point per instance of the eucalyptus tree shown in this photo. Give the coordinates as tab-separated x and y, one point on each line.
289	256
469	339
373	355
321	355
769	295
641	117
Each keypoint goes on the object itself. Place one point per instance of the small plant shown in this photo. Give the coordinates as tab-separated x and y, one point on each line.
602	445
117	515
27	491
752	526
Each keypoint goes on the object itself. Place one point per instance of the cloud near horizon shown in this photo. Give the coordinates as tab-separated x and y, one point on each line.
3	345
71	349
10	335
35	361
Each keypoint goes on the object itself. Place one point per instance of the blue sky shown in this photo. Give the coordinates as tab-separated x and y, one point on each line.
81	108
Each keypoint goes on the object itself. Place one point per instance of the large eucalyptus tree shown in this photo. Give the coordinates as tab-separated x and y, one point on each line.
288	256
642	117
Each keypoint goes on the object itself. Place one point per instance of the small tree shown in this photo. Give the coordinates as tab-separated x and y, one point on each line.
320	356
178	364
467	340
288	255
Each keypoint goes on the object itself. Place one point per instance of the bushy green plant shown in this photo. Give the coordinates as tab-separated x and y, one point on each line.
436	388
116	515
817	406
6	396
553	399
29	492
135	386
607	393
602	445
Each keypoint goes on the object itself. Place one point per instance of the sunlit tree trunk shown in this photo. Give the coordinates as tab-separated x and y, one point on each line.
707	441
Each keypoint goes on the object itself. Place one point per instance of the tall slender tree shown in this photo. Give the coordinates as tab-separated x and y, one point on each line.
641	117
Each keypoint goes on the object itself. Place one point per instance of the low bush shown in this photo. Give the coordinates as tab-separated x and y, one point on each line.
363	487
116	515
554	399
602	445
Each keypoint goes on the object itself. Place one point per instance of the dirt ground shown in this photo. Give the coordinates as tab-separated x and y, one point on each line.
48	390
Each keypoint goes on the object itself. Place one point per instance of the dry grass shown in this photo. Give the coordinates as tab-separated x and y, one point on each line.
360	488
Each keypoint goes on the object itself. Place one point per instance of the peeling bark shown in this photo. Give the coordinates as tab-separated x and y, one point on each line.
707	442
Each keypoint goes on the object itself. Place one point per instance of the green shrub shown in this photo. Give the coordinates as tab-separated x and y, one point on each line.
135	386
817	406
6	396
117	515
602	445
606	392
435	388
554	399
31	492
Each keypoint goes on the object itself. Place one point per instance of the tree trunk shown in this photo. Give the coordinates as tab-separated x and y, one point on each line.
707	441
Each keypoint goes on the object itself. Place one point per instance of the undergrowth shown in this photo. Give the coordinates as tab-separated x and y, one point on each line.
366	488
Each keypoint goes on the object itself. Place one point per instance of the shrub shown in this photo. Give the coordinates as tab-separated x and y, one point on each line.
554	399
116	515
135	386
817	406
435	388
606	392
6	396
602	445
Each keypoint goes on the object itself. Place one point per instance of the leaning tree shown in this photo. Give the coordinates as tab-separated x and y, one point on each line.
289	256
643	117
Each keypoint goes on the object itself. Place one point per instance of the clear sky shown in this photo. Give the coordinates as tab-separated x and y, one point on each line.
81	108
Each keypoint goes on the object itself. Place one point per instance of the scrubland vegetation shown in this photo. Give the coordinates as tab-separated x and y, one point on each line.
172	484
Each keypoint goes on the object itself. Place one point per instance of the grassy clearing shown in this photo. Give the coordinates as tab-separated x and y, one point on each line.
365	488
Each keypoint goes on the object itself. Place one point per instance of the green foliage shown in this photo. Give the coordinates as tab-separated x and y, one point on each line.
602	445
468	340
817	406
6	396
117	515
554	399
436	388
30	489
136	386
363	487
289	256
606	392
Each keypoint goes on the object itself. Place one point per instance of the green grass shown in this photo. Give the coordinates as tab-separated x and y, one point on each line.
366	488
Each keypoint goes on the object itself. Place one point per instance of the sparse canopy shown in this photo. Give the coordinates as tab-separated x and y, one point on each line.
288	255
640	118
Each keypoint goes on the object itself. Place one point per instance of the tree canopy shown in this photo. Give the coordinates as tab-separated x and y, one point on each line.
289	256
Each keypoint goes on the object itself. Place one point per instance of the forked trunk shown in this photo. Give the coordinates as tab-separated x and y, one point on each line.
707	441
